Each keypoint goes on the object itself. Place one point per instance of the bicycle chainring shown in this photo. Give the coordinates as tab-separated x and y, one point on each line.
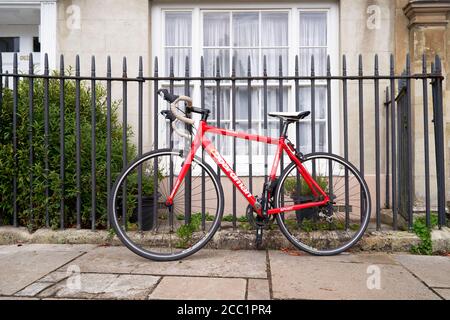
256	221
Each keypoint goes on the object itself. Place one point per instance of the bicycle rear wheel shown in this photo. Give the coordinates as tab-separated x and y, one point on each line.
327	230
158	232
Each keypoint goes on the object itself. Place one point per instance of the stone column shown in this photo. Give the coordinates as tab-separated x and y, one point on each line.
429	34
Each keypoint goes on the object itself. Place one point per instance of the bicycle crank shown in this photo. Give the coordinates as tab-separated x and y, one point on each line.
256	221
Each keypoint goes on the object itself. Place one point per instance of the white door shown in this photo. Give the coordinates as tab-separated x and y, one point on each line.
19	33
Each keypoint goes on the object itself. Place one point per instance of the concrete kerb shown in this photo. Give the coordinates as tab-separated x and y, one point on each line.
385	241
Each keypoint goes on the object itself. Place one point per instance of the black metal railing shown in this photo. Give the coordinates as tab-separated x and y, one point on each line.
394	122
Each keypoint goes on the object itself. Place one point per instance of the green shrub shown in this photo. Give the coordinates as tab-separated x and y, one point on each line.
424	233
39	178
290	185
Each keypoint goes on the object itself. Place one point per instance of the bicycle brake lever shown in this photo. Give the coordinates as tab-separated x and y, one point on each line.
168	115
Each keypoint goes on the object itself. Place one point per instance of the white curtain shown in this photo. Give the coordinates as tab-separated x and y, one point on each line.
246	30
244	41
313	34
216	29
216	33
321	115
178	35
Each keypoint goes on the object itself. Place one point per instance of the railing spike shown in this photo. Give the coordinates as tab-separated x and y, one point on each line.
376	65
108	66
424	63
61	64
30	63
438	65
93	65
280	65
155	66
233	67
77	64
124	67
265	66
344	65
360	65
15	62
328	66
392	65
408	64
202	67
186	67
217	67
46	64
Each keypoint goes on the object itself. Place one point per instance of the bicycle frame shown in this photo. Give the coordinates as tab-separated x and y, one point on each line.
201	140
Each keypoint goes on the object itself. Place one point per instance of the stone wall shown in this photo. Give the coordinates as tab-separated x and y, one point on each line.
428	32
116	28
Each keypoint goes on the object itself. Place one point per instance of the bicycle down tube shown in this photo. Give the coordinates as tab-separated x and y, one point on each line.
201	140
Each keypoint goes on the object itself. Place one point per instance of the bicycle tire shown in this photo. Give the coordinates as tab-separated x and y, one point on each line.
307	248
125	239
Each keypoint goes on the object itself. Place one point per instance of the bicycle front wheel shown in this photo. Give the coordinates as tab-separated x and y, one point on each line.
331	229
153	230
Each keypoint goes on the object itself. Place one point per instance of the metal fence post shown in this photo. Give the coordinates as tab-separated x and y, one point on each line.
93	145
78	138
439	140
30	132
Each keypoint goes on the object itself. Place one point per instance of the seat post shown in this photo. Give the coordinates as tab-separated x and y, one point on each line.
285	128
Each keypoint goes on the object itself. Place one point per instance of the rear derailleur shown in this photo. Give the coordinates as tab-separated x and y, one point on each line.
327	212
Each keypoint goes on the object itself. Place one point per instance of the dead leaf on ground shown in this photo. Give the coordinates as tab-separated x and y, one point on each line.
326	289
292	252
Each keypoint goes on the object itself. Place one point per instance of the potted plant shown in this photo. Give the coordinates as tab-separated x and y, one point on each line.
148	190
299	191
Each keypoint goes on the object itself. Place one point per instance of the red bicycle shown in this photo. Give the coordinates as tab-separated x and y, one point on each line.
167	204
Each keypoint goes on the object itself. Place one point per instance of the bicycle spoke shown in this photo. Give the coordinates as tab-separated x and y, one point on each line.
169	236
328	228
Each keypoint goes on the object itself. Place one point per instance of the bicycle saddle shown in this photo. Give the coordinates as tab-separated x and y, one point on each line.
290	116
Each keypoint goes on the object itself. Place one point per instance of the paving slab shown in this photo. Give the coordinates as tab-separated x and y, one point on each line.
372	258
108	259
445	293
433	270
23	265
306	277
55	276
33	289
104	286
16	298
212	263
30	247
258	289
199	288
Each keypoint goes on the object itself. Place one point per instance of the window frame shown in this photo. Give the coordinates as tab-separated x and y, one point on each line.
331	7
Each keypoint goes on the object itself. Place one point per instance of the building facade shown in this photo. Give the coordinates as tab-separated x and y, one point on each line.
225	31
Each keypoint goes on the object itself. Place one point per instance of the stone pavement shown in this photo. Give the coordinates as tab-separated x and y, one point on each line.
37	271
